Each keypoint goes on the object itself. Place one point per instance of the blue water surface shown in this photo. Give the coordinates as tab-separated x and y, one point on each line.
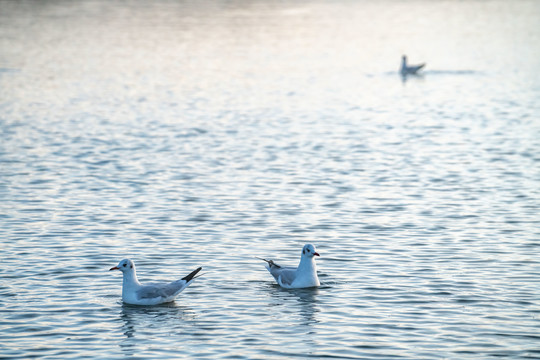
206	133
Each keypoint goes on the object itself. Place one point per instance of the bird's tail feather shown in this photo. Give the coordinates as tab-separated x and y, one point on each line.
270	262
191	276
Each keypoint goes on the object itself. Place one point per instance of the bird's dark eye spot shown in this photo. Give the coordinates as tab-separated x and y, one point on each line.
304	251
124	265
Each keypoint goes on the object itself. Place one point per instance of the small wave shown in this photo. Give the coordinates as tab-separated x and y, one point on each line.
452	72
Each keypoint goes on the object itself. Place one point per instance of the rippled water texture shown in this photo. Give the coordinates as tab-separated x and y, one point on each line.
205	133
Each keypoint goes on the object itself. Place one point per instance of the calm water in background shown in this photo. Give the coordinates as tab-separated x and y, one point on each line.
206	133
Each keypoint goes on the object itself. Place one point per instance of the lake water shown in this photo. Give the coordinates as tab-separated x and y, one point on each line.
205	133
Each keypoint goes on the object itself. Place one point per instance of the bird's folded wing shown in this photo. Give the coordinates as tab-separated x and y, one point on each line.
152	291
284	275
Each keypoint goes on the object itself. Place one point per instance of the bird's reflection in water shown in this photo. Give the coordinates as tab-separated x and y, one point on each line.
405	77
141	324
303	300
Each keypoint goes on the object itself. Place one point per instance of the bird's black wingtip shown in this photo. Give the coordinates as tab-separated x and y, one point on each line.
190	277
271	263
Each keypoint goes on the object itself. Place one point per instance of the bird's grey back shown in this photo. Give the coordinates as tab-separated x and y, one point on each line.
287	274
152	291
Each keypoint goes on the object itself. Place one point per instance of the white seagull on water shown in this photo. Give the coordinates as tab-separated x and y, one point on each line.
133	292
406	69
303	276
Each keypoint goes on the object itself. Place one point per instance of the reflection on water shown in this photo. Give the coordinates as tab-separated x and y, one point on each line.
139	316
302	301
140	321
405	77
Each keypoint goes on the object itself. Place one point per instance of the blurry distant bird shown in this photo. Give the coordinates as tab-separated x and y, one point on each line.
406	69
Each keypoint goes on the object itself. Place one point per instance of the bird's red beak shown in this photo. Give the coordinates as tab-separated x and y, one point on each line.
114	268
315	254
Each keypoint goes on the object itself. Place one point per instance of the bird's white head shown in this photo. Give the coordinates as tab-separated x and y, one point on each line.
125	265
309	251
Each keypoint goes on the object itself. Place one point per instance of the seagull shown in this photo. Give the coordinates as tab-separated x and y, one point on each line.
133	292
409	69
304	276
